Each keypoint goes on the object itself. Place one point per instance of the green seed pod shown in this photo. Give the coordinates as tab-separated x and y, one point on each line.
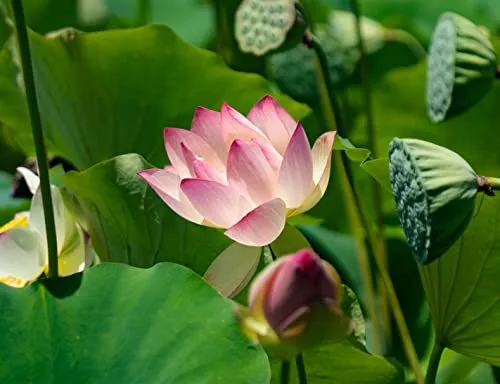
264	26
461	67
294	70
435	190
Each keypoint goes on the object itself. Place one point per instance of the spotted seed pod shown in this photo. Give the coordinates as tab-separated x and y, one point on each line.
461	67
264	26
435	191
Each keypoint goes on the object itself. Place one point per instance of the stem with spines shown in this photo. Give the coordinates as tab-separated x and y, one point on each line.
333	121
380	246
36	127
358	217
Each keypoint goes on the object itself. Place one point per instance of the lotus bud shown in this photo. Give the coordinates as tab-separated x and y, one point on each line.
435	190
461	67
295	304
262	26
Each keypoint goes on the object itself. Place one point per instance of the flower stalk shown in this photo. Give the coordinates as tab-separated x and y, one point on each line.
36	126
432	369
285	372
494	183
380	248
360	225
143	12
301	369
333	121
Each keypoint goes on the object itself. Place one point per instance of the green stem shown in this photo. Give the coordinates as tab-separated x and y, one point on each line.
301	369
333	120
313	42
285	372
273	255
143	12
359	222
494	182
36	126
432	369
380	247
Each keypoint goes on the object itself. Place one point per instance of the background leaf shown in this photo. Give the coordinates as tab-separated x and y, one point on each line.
108	93
458	369
129	223
462	288
126	325
343	363
192	20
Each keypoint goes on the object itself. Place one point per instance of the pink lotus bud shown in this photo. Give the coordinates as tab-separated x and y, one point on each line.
246	175
295	304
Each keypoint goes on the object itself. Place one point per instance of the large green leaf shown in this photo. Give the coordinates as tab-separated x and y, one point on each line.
458	369
343	363
108	93
129	223
462	288
126	325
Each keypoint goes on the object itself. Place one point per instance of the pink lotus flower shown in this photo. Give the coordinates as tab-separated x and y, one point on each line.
243	174
295	304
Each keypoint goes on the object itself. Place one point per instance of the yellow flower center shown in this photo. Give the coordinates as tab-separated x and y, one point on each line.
20	221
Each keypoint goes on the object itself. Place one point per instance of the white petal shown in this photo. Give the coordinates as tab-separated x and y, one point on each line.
21	258
72	256
32	180
230	272
37	218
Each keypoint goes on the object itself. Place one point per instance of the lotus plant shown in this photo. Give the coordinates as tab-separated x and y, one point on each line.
294	304
246	175
23	244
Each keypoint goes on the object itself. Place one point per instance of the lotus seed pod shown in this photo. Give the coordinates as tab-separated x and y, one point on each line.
262	26
461	67
342	25
434	189
294	70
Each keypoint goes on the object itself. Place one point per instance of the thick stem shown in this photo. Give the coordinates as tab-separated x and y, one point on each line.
273	255
301	369
380	247
494	182
361	250
432	368
36	127
333	120
312	41
359	223
285	372
143	12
